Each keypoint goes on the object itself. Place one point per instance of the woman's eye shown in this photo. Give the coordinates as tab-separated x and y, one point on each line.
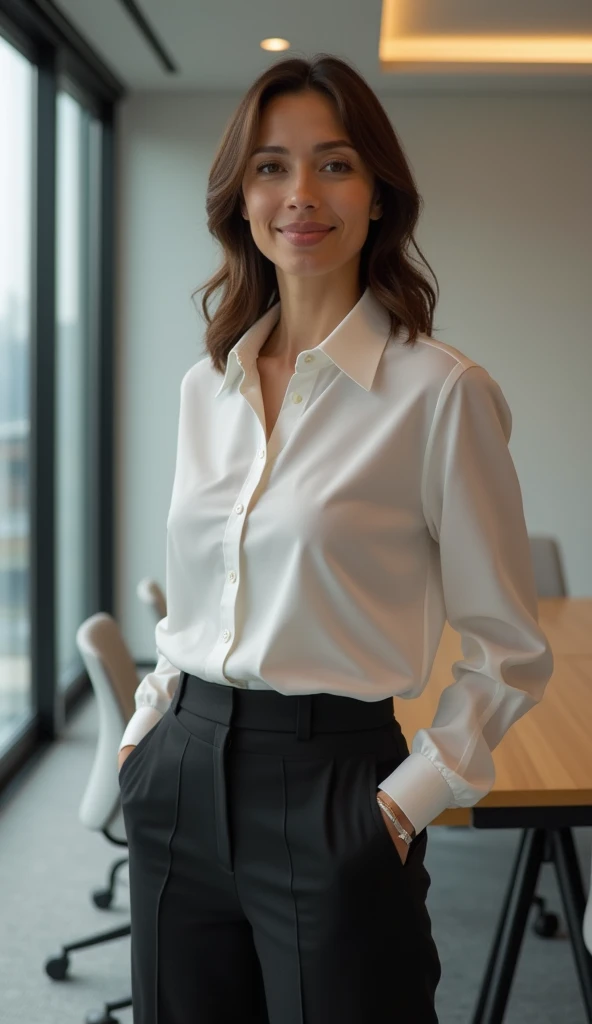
261	166
341	163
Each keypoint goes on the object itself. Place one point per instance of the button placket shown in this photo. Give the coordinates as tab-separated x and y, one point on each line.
301	387
231	549
298	395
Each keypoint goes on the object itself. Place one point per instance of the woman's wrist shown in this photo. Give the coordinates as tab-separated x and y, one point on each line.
388	800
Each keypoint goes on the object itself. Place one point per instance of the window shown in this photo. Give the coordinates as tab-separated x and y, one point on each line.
57	186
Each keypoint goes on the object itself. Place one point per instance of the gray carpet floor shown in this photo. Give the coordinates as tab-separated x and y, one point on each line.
50	864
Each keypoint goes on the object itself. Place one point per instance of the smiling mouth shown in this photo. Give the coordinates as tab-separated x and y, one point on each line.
303	238
308	231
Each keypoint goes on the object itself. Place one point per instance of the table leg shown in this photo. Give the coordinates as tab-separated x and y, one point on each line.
503	957
494	951
571	887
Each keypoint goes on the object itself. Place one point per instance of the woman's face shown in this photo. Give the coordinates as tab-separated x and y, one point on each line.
331	186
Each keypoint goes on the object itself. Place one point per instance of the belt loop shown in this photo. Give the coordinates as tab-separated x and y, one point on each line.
304	716
179	691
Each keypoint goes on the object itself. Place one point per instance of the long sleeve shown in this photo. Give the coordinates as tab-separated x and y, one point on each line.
153	697
473	509
157	689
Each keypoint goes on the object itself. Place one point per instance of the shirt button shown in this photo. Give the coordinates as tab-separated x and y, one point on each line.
232	575
262	453
296	398
238	508
226	635
308	358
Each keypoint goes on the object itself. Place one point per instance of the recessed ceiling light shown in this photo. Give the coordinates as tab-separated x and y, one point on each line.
274	44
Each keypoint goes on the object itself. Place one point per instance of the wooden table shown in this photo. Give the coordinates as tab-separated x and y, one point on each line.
543	786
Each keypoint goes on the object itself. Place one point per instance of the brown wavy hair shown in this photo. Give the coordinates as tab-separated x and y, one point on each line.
248	278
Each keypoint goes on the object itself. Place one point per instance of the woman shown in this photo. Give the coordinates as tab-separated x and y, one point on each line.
341	491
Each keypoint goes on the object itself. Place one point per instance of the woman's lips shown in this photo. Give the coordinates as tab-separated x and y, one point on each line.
305	237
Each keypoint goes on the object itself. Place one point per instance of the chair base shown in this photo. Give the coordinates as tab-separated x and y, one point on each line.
105	1015
103	898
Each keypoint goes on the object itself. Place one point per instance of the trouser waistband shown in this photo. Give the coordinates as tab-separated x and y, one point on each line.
302	714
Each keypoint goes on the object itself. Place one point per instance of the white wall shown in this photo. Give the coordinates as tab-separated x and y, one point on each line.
506	226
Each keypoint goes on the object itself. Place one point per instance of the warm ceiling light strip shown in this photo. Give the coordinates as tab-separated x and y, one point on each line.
488	49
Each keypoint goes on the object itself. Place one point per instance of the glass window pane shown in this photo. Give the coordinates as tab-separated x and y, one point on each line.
76	267
18	80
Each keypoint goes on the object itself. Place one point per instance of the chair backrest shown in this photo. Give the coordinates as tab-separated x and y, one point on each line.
114	680
151	594
587	925
548	567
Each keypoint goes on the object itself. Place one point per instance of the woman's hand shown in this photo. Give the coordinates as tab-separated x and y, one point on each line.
123	753
401	845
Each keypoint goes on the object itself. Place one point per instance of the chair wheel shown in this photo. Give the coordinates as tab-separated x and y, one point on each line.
102	898
57	967
101	1017
546	925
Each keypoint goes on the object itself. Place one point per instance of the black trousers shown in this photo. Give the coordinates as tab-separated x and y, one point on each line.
265	887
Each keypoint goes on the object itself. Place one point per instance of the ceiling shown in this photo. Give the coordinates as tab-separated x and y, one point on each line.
213	45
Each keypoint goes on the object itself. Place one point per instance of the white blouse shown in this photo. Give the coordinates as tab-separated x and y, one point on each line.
329	559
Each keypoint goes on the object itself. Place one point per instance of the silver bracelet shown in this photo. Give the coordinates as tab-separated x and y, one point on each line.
402	831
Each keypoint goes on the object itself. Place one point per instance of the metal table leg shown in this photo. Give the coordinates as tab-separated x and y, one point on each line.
503	958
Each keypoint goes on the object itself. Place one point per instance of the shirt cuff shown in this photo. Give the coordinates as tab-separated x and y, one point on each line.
139	725
419	789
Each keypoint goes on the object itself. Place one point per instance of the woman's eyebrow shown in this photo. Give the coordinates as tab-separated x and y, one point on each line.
319	148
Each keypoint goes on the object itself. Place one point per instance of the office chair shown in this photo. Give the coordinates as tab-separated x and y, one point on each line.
548	568
550	582
587	925
152	594
114	680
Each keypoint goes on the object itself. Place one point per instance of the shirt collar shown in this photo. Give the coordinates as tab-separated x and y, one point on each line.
355	346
